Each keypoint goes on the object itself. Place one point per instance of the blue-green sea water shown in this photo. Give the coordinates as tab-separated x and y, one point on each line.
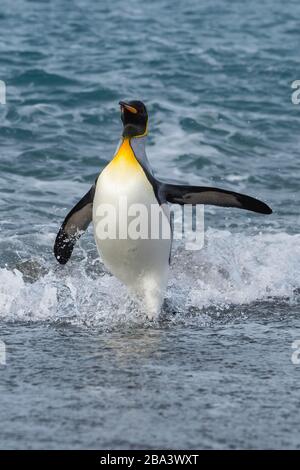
84	369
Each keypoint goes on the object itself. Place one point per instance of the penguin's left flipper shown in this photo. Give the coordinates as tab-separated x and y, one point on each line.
75	223
181	194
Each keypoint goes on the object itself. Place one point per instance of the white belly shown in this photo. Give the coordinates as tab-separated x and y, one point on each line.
141	264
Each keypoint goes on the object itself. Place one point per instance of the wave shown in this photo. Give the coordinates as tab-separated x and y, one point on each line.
230	272
40	77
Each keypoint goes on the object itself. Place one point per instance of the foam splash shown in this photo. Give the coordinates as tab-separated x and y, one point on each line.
238	269
231	269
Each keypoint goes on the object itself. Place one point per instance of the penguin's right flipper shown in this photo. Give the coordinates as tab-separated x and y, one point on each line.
75	223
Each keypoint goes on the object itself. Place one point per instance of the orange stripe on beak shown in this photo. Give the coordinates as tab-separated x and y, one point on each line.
128	107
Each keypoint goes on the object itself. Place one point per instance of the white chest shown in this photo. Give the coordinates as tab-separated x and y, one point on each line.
125	199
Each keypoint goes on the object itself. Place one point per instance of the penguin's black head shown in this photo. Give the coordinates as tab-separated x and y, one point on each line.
134	117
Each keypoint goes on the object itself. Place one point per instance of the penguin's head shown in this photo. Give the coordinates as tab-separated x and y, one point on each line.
134	117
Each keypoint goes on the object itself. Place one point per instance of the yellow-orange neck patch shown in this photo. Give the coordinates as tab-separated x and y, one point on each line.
125	158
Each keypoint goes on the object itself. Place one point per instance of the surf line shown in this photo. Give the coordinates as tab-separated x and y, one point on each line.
111	460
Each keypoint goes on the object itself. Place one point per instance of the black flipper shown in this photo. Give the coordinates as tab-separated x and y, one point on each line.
180	194
76	222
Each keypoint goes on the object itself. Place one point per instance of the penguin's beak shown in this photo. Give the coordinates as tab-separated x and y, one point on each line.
127	106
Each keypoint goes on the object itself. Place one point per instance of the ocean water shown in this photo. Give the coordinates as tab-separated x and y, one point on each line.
84	368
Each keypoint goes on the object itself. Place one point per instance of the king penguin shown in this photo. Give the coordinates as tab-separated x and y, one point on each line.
141	263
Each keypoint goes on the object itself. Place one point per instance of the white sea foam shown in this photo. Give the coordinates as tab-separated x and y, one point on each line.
231	269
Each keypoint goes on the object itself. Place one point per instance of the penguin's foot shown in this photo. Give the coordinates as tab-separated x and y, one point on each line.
152	294
152	315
